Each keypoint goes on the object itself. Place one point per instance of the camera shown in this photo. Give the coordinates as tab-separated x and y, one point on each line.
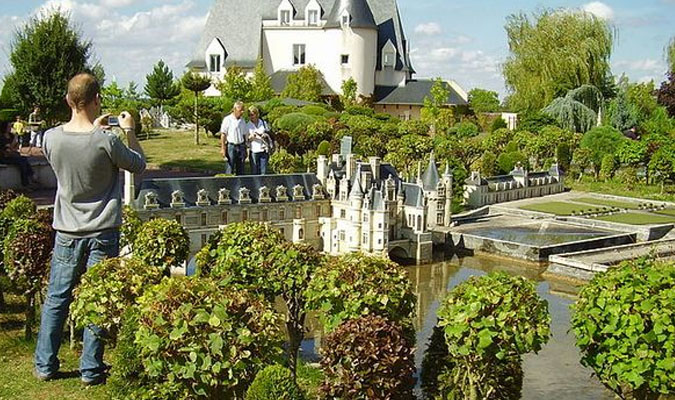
113	121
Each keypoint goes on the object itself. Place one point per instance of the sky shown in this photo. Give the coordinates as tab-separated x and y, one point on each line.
462	40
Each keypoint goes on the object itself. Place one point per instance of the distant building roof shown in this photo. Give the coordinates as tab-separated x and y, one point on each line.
414	93
279	79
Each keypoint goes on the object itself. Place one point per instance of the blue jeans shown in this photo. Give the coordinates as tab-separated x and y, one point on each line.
72	257
260	161
236	154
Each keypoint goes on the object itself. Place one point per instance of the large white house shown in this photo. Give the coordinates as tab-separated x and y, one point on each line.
359	39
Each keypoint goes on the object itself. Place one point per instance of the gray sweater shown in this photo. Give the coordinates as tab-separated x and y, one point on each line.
88	197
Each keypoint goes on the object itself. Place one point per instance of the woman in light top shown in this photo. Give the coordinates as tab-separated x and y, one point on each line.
259	141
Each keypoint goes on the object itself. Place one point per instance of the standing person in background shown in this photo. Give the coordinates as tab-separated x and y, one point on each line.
233	139
259	141
35	124
86	159
19	128
10	155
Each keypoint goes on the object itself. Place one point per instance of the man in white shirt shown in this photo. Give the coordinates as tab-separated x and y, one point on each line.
259	140
233	134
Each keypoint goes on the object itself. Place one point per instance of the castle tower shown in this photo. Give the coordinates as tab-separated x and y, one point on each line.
447	181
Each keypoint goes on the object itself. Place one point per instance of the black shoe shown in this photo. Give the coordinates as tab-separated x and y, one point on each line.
95	381
42	377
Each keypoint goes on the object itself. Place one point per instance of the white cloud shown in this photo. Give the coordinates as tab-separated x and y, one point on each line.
648	64
599	9
429	28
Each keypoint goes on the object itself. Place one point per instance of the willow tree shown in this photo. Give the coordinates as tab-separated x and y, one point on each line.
553	52
196	83
578	110
670	55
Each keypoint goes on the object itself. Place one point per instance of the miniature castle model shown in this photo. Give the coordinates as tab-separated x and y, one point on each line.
519	184
359	39
348	205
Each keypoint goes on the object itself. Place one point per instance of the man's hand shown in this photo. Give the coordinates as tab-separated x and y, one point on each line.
102	121
222	152
127	121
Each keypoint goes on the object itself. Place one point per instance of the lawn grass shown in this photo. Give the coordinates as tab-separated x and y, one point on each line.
176	149
554	207
638	219
636	190
608	203
667	211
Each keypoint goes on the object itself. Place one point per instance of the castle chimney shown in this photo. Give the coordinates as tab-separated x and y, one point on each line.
375	163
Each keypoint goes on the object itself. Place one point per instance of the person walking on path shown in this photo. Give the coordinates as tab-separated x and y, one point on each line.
86	159
233	139
259	141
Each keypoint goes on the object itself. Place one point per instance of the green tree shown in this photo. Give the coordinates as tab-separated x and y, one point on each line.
160	85
578	110
488	164
670	55
349	89
435	111
112	96
666	94
131	91
601	141
305	84
623	323
554	52
45	54
196	83
261	84
234	84
483	101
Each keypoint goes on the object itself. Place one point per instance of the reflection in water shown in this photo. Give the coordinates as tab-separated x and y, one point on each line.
553	373
544	236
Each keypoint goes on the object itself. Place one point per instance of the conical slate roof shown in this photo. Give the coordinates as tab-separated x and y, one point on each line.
431	177
360	12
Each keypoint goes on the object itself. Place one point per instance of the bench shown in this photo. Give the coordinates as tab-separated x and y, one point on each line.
10	177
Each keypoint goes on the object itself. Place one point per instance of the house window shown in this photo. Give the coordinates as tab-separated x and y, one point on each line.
203	219
313	17
298	54
244	215
343	214
224	217
388	59
214	64
285	17
344	59
282	214
345	20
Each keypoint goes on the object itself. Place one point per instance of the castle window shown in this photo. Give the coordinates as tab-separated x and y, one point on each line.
344	59
318	211
365	238
298	212
264	215
283	231
285	17
244	215
204	239
343	214
214	64
345	20
203	219
224	217
298	54
342	235
440	218
313	17
388	59
179	218
282	214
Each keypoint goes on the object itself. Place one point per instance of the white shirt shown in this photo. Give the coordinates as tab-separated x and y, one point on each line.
257	136
234	129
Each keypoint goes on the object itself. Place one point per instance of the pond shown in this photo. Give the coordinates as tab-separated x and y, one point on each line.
553	373
539	235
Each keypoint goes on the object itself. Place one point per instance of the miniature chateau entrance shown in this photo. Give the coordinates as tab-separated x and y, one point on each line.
348	205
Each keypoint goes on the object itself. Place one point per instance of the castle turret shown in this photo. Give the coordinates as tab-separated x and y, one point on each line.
322	169
447	181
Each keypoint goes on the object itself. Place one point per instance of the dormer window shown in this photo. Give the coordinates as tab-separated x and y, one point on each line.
313	17
389	54
285	17
214	63
345	20
388	59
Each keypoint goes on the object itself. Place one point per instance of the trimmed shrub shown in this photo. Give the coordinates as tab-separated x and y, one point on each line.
282	162
312	109
279	111
295	122
508	161
359	110
19	207
274	383
162	243
497	124
241	254
624	323
608	167
108	289
413	127
323	149
205	339
465	129
357	284
368	357
131	225
6	196
489	322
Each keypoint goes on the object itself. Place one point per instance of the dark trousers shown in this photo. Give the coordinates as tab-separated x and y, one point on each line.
236	154
260	161
24	167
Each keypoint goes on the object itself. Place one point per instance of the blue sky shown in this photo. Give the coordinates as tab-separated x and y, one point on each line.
462	40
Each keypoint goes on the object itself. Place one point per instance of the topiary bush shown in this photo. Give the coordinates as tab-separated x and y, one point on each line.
205	339
108	289
282	162
489	322
19	207
242	255
357	284
368	357
624	323
295	122
27	252
275	382
131	225
162	243
324	148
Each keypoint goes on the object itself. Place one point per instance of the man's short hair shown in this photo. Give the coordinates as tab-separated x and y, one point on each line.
82	90
238	105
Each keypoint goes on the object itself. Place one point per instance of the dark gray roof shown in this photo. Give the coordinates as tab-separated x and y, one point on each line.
359	11
413	195
414	93
279	79
190	186
431	176
238	27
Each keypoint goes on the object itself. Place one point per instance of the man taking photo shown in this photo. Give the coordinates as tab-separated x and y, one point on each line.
86	159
